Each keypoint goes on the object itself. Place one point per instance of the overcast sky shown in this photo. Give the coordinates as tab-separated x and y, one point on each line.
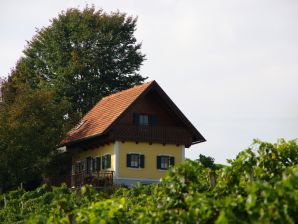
230	66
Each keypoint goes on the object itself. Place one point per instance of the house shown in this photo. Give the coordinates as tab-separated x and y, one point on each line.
131	136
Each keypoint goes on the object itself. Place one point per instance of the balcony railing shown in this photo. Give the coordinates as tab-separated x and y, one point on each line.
96	178
152	134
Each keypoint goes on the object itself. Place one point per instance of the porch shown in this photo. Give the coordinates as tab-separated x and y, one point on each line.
95	178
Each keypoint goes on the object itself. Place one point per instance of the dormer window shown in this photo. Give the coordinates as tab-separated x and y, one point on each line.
80	124
144	119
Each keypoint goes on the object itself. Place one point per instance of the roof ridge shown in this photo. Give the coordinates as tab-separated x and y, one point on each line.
129	89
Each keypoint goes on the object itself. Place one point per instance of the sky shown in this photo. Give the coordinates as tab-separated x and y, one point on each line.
231	66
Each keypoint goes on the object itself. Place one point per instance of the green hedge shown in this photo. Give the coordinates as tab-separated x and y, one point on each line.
259	186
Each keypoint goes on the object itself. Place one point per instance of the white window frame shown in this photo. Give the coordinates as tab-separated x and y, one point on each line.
139	160
169	159
73	169
135	160
143	119
164	162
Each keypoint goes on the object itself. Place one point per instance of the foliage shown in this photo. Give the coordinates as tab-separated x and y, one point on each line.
257	187
29	130
83	55
207	161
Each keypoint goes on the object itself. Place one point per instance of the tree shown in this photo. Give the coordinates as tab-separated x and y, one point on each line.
207	161
83	55
29	131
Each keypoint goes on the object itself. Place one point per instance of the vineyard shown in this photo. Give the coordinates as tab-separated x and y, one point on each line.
259	186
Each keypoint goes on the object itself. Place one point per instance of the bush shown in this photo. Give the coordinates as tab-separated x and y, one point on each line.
259	186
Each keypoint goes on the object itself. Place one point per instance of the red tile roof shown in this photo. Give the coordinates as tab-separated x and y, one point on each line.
104	113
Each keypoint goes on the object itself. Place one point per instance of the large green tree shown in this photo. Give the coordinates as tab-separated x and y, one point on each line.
84	55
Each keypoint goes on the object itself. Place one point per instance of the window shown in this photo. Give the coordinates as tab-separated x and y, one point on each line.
90	165
73	169
80	124
106	161
144	119
93	164
76	167
83	165
98	162
134	160
163	162
79	166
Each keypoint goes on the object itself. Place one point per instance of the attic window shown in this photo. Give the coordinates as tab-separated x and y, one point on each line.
144	119
80	124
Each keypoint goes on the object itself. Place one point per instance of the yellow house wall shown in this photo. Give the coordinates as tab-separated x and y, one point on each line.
100	151
150	151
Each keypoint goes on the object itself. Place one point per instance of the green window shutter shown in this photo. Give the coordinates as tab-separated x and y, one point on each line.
172	161
83	166
158	160
73	169
109	161
77	167
93	161
150	119
128	160
135	119
153	119
103	162
83	162
142	161
88	165
98	163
